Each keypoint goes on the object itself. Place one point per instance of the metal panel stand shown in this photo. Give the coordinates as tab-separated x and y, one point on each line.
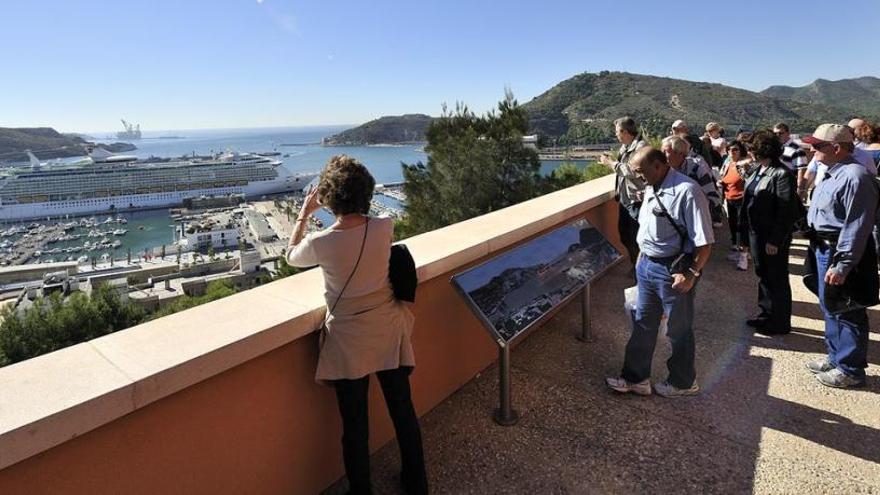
504	415
586	334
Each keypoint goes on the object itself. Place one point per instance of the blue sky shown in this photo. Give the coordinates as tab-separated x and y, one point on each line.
82	65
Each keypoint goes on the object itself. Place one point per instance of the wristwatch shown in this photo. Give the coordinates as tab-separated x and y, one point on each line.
695	273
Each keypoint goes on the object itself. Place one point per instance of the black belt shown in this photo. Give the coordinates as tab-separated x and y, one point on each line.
826	239
831	235
666	260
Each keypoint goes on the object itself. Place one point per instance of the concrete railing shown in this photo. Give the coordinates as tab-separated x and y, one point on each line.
221	398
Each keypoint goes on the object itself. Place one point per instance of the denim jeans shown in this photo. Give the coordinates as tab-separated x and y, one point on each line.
846	334
656	297
351	396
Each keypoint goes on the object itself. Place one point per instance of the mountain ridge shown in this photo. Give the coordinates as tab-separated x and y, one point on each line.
859	95
582	108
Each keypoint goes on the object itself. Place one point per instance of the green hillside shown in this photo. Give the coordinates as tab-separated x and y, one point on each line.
859	96
582	108
385	130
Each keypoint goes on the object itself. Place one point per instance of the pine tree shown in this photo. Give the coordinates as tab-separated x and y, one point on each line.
475	165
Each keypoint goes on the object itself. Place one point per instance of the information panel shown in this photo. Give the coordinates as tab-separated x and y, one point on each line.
514	290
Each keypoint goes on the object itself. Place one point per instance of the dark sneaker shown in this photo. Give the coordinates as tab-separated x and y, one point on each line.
664	389
838	379
819	366
618	384
770	330
759	320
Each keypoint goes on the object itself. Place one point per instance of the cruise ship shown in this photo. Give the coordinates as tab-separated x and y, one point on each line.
103	186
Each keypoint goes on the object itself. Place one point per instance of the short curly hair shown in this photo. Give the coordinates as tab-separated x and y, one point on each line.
346	186
866	133
765	144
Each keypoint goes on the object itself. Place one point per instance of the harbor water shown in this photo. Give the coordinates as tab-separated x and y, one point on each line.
300	151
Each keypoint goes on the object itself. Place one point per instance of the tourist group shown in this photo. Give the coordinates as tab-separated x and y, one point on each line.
773	188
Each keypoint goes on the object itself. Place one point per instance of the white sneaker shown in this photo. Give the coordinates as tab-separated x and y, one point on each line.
618	384
743	262
664	389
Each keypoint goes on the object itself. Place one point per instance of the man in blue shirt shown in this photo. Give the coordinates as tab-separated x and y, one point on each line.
842	212
675	238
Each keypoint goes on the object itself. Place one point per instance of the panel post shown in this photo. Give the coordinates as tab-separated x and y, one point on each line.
504	415
586	334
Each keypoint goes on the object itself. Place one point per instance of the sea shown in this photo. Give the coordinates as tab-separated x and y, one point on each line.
300	149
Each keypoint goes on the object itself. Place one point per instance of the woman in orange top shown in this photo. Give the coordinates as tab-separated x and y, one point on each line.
732	183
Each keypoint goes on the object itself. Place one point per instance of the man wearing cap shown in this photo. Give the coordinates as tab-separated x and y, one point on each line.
675	237
842	212
629	186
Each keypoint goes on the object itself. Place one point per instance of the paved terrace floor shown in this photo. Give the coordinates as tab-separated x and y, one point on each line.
763	424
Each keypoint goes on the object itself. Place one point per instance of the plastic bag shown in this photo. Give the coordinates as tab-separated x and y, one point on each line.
630	302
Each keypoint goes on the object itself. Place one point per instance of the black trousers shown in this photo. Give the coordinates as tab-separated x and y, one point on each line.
737	221
628	228
351	396
774	289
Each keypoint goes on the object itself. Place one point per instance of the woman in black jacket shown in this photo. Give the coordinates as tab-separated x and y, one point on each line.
771	205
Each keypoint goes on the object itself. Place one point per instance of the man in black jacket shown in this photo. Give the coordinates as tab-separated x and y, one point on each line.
771	204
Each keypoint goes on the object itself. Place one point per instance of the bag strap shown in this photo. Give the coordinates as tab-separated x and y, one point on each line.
666	214
358	262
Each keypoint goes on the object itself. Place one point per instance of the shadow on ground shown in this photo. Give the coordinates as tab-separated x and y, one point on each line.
763	424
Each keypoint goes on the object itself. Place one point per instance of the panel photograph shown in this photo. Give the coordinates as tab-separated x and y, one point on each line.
517	288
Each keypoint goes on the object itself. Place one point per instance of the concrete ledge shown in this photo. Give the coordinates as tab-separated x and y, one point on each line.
51	399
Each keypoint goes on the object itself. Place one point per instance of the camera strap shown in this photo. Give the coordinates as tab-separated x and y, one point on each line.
356	263
666	214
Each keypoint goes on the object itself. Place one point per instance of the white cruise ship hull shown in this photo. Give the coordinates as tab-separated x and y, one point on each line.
129	202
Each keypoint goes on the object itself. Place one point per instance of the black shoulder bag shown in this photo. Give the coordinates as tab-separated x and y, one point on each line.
684	260
402	273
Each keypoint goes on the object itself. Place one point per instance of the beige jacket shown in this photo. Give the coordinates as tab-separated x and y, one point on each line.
369	330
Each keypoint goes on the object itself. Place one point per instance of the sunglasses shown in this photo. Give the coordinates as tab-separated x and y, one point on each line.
819	146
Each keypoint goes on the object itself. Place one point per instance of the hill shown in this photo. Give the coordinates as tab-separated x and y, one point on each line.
861	96
582	108
47	143
385	130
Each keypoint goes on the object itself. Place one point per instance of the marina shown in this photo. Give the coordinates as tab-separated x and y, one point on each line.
82	240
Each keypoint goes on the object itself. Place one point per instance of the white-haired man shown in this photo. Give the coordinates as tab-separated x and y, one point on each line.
677	153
